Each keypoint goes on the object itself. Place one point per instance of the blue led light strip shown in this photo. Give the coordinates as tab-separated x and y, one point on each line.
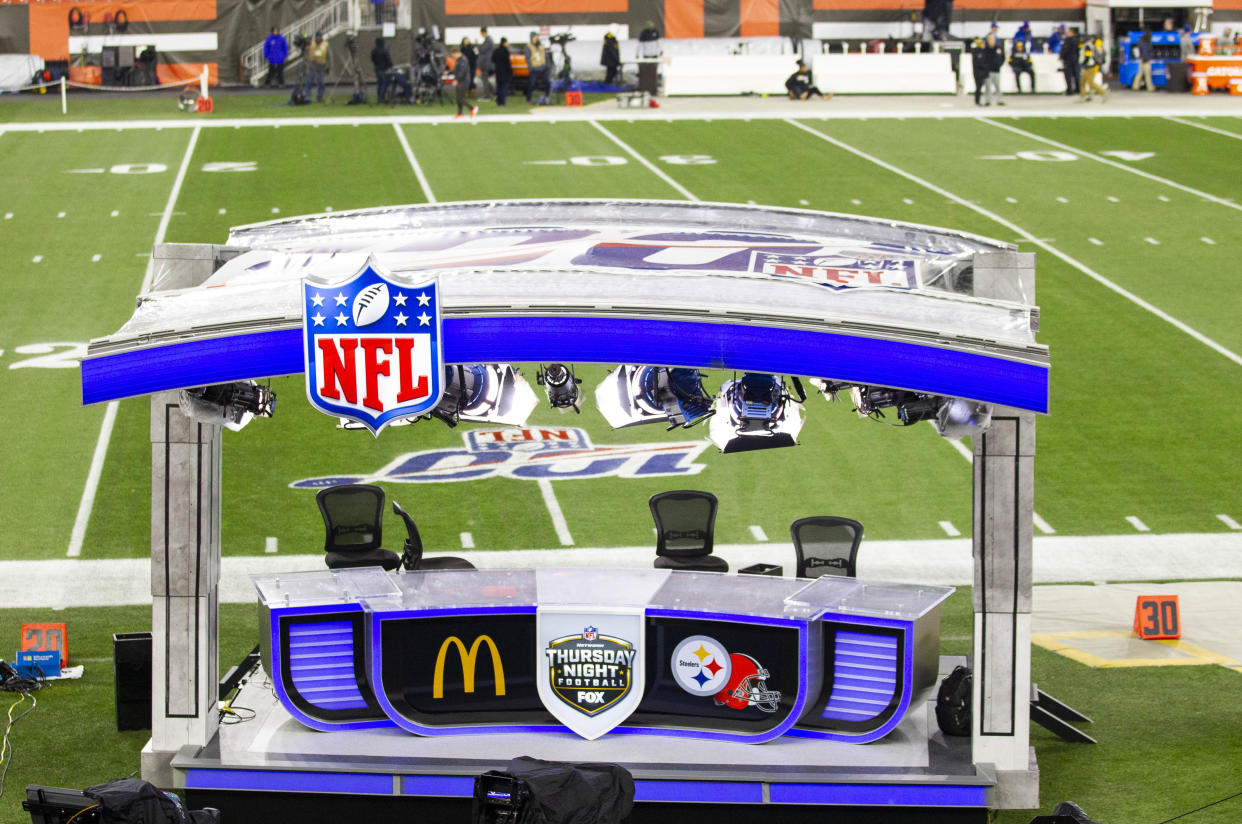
751	348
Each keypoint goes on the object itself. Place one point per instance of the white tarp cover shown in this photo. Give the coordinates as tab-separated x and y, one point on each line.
17	70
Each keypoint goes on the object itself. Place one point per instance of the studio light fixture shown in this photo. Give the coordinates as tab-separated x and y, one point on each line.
953	418
232	405
633	395
485	393
756	411
560	385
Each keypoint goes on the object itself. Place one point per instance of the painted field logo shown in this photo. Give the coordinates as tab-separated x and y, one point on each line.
372	347
589	671
531	453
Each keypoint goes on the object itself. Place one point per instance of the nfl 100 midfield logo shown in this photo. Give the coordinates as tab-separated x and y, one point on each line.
372	347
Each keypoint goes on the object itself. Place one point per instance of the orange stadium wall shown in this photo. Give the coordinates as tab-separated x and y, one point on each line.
42	26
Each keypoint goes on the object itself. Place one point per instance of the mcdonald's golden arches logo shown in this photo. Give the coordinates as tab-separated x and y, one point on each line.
467	658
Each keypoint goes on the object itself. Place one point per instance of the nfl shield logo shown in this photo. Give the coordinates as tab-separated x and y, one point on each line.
590	634
372	347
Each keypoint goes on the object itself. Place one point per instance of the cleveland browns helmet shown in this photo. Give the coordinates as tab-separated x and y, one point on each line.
748	686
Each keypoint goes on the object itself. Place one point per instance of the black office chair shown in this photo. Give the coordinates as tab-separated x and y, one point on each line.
353	515
685	523
826	545
412	556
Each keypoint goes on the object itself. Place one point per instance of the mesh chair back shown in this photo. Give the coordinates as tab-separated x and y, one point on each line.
353	515
685	522
826	545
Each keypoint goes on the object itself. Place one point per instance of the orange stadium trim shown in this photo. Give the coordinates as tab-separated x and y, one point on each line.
761	18
985	5
532	6
49	22
683	18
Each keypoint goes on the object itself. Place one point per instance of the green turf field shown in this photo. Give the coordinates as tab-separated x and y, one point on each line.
1133	283
1134	220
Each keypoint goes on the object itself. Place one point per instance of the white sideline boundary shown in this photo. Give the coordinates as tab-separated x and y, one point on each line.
1057	559
1030	238
87	503
849	110
1113	163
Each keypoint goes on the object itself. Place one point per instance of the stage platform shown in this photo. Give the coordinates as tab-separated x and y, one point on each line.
273	765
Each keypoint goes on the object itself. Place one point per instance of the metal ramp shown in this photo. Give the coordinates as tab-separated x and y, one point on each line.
331	19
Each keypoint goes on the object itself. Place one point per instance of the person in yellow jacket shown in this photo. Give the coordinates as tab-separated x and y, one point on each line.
1094	59
316	66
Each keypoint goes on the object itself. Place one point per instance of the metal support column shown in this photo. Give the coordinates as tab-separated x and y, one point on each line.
185	559
1004	502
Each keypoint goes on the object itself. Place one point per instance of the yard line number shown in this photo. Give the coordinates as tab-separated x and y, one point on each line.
159	168
614	160
1057	156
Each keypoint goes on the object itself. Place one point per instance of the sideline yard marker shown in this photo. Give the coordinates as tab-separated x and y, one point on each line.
1137	524
950	529
1229	522
467	540
1156	617
758	532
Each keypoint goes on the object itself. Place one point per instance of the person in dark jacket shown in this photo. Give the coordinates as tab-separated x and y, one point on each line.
275	52
1020	62
1144	56
979	67
385	76
504	70
800	85
610	58
485	65
994	61
461	77
1069	61
472	58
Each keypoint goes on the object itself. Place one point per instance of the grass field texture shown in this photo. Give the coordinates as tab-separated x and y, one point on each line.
1135	222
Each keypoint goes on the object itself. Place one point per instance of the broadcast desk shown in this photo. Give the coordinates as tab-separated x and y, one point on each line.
675	675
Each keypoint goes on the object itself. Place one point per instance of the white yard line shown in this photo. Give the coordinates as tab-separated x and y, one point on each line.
950	529
467	540
166	217
1042	525
92	482
418	170
270	545
758	533
1137	524
1115	164
1082	267
1229	522
87	503
965	452
1205	127
656	170
554	511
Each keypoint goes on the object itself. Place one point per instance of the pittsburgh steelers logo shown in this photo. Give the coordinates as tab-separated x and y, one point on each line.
701	666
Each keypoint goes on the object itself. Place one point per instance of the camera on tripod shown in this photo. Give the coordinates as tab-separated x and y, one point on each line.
301	41
561	39
351	42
